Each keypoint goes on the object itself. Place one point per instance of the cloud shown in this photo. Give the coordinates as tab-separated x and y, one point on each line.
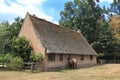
107	1
30	2
20	7
55	22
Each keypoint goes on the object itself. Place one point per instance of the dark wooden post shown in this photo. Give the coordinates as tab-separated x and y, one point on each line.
32	65
3	64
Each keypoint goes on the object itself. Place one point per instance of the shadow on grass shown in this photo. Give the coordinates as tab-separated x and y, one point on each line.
80	68
4	69
41	71
64	70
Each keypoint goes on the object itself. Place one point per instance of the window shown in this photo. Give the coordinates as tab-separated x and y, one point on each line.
81	57
91	57
51	57
60	57
68	57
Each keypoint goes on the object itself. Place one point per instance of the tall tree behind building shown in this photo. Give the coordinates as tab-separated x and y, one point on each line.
84	15
89	17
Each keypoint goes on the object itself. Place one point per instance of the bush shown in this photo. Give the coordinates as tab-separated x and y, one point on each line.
7	57
15	63
36	57
2	58
19	46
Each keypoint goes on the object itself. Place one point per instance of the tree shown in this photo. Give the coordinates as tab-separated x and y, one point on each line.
3	38
115	7
89	17
114	22
84	15
19	46
11	43
106	42
114	19
9	31
14	28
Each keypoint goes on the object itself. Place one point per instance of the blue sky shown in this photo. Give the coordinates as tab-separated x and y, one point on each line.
47	9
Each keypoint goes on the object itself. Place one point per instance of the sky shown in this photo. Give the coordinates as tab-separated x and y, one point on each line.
46	9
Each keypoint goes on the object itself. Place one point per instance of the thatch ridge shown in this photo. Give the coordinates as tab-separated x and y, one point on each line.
50	22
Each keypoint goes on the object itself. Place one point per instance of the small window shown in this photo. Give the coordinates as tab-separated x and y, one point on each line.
60	57
68	57
51	57
91	57
81	57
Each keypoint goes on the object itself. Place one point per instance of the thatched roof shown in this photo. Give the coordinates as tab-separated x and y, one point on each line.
57	39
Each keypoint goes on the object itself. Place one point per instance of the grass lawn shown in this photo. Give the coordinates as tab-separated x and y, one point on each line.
102	72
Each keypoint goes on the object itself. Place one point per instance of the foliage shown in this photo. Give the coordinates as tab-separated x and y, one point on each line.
106	42
115	7
9	43
89	17
19	46
14	28
36	57
84	15
114	21
2	58
7	32
7	57
3	33
15	63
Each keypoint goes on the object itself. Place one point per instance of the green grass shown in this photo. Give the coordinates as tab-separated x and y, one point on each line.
102	72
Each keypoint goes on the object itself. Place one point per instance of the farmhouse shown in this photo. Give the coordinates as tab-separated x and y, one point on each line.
57	44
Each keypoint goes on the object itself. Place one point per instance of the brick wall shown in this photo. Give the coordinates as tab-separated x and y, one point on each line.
29	32
64	64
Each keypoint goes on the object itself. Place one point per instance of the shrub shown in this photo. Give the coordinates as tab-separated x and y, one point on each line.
15	63
19	46
2	58
8	57
36	57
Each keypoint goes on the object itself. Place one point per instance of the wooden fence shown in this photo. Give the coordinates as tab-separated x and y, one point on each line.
2	64
29	65
33	65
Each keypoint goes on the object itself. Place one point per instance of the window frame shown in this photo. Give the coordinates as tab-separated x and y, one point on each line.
82	57
51	57
60	57
91	57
